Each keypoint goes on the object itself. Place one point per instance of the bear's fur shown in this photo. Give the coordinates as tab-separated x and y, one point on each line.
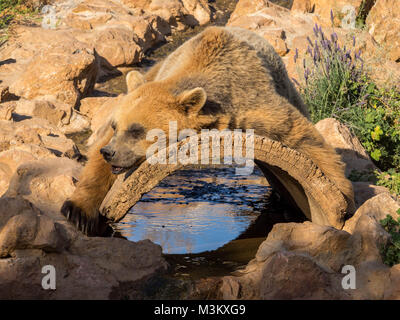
222	78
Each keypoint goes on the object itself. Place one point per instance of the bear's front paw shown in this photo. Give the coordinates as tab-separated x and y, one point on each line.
87	224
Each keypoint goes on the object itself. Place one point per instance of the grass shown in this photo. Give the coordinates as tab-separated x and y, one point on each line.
14	11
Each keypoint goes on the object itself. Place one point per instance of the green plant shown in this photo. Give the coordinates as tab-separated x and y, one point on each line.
365	176
389	179
10	9
391	252
336	85
6	12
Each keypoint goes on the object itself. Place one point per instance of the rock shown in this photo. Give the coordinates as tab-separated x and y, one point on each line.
305	260
365	190
346	145
42	109
118	46
98	268
177	13
30	231
341	9
287	31
10	207
284	275
12	158
119	36
67	119
276	24
383	24
38	132
376	209
46	183
277	39
6	110
394	292
366	224
329	247
86	268
4	90
50	63
372	281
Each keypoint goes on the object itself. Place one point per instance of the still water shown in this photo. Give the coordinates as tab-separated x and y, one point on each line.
197	210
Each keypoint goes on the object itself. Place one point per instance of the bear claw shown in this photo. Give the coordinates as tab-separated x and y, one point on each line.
77	217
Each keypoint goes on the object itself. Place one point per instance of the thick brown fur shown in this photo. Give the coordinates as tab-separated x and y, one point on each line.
222	78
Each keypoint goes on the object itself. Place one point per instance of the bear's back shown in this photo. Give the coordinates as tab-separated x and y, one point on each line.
271	62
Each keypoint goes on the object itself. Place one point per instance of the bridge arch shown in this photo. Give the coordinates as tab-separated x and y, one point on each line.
291	173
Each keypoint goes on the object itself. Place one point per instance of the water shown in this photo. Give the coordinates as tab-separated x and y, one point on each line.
197	210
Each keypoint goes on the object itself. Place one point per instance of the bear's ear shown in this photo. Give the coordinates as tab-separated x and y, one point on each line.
193	100
134	79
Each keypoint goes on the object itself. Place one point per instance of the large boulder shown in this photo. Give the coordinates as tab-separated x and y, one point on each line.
296	261
305	261
46	182
48	63
346	145
30	140
85	268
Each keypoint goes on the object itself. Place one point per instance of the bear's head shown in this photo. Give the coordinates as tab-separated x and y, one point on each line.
148	106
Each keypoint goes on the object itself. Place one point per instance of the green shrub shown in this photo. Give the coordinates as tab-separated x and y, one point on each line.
391	252
389	179
335	85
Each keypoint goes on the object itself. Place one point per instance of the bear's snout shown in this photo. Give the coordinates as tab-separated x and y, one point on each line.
107	153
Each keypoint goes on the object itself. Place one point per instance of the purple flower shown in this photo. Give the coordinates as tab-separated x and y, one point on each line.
306	74
327	69
315	29
309	41
332	19
354	41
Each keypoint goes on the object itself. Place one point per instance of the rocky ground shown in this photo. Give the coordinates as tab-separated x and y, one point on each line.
51	83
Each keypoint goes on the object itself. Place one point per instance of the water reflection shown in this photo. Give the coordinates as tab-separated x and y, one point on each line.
197	210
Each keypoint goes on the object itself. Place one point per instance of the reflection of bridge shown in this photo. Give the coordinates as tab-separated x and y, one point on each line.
294	176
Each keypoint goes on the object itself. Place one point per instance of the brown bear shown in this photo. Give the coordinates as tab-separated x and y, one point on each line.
223	78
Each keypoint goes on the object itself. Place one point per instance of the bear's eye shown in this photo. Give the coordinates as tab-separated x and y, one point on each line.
136	130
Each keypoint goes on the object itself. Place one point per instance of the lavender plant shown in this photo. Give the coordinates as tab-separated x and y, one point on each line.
335	85
334	80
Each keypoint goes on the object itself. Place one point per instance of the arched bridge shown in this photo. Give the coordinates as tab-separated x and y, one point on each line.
292	174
